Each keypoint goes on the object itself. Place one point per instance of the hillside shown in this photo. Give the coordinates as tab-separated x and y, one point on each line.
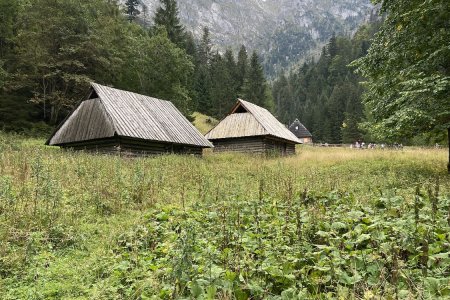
203	123
284	31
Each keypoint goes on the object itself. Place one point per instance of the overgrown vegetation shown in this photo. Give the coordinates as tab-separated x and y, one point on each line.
327	223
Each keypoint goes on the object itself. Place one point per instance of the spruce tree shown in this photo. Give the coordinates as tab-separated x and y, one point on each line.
219	89
255	87
241	69
204	49
202	77
231	84
202	90
131	9
167	16
332	47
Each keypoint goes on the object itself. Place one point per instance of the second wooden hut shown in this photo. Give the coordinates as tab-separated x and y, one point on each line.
250	128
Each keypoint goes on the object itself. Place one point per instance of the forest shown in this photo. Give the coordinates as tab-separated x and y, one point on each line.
49	52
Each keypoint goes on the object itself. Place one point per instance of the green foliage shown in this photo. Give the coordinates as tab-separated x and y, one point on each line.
60	53
304	246
223	89
327	223
132	9
8	17
3	75
17	114
219	80
51	51
162	70
255	88
325	95
166	16
408	69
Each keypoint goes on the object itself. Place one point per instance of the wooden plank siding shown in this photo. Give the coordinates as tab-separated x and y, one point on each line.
132	147
143	117
88	122
246	120
259	145
246	144
113	120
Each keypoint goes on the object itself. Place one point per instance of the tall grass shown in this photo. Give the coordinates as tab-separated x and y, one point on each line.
61	211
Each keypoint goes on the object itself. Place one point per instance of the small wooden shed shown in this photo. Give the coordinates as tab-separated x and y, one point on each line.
250	128
116	121
301	132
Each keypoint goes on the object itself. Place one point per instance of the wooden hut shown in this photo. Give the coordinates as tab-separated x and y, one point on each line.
301	132
116	121
250	128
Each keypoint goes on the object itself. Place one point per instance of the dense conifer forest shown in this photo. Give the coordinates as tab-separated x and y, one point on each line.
325	94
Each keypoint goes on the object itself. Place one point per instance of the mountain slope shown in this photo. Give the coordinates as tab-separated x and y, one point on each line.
284	31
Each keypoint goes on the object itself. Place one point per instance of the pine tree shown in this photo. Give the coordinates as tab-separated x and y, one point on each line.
255	87
231	84
204	49
241	69
332	47
202	77
166	16
131	9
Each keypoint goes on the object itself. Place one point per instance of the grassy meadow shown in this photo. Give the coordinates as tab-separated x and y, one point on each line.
328	223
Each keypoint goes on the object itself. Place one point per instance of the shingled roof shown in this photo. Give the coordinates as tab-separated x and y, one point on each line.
247	119
112	112
299	129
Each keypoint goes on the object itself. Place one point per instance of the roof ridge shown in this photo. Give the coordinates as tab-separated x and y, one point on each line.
125	91
243	102
146	117
270	131
111	120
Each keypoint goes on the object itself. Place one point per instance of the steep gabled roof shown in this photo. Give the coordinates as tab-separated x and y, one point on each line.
116	112
247	119
299	129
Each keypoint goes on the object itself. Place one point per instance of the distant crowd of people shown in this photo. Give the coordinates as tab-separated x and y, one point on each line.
363	145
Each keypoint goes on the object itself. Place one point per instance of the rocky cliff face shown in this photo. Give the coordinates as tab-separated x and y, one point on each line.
284	31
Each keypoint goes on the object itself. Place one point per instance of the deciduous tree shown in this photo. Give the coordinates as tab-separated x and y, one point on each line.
408	69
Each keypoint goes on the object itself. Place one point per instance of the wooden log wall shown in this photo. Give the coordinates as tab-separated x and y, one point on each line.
248	144
133	148
260	144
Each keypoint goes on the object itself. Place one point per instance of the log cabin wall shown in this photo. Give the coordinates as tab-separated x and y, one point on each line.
262	145
133	148
281	147
246	144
